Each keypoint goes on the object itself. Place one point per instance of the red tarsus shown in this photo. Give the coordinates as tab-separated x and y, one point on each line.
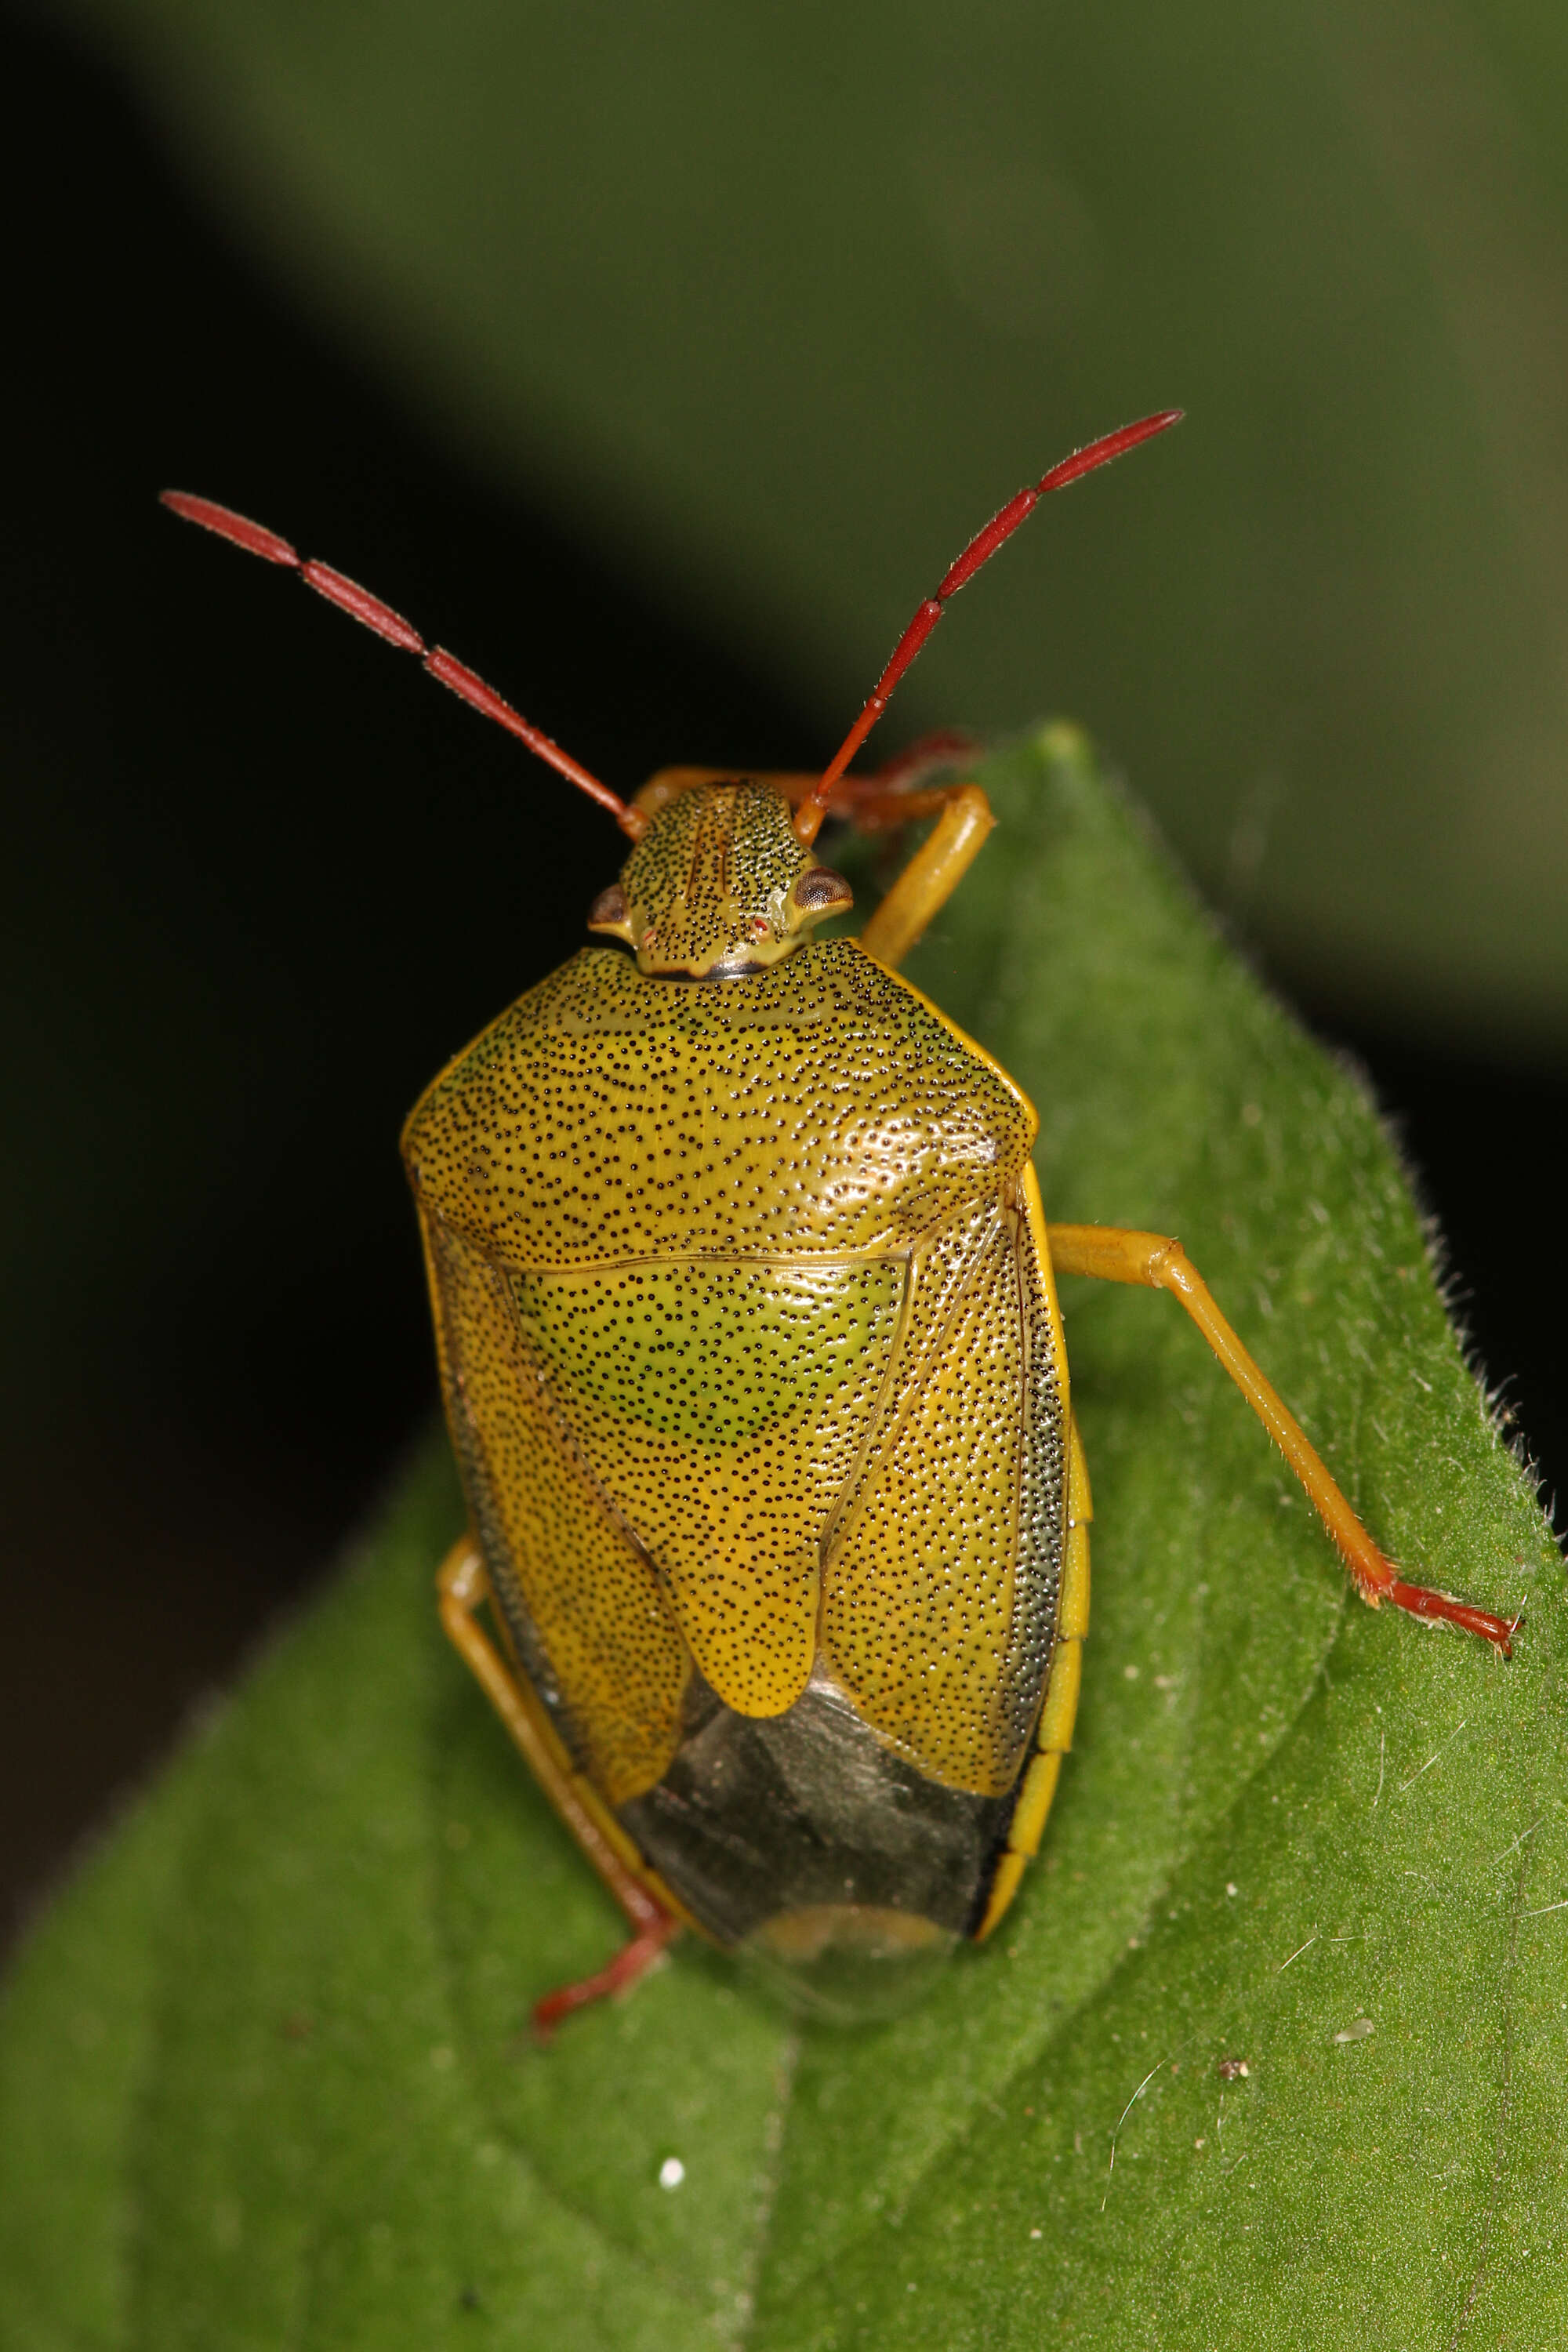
631	1962
1442	1609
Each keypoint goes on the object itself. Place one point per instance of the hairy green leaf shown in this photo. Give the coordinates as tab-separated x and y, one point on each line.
1269	2050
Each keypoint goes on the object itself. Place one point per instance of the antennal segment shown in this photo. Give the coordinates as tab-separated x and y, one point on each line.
362	606
981	549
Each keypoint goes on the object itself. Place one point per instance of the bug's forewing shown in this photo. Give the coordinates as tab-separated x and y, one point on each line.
941	1592
581	1601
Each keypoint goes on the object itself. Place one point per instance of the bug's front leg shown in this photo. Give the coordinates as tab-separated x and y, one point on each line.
963	819
463	1590
1115	1254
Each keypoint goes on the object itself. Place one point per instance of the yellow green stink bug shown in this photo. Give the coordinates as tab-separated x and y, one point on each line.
745	1304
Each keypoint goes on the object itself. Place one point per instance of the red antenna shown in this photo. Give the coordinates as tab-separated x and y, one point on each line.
981	549
351	598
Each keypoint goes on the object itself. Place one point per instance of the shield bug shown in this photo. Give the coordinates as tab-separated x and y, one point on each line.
745	1306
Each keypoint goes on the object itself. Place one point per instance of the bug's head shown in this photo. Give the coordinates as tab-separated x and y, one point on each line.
719	885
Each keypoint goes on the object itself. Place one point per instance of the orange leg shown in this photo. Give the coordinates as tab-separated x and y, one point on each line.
463	1589
935	870
1115	1254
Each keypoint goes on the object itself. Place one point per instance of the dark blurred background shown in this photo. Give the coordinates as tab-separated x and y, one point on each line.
265	877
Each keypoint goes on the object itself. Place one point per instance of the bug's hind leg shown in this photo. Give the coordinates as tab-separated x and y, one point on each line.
463	1590
630	1964
1115	1254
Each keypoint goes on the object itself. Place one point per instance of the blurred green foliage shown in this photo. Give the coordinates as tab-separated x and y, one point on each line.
777	303
265	2076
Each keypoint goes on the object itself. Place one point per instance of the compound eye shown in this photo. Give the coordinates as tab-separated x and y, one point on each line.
610	912
820	892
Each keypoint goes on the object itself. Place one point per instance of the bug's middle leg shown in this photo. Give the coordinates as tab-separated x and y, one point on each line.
463	1590
1115	1254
